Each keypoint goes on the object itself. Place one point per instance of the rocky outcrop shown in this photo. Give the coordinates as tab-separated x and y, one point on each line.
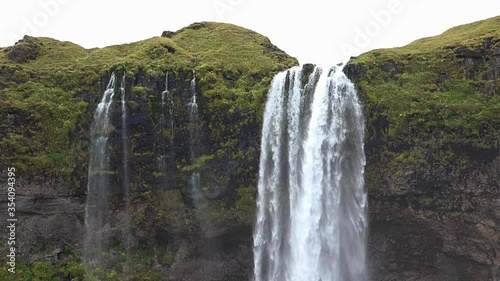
24	50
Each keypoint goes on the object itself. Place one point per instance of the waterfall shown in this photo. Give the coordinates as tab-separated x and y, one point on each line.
311	207
126	181
193	120
97	209
170	106
166	92
125	148
164	144
194	142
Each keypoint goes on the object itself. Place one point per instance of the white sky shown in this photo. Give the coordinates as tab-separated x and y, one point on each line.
317	31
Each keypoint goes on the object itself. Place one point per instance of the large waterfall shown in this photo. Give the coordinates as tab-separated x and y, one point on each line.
97	206
311	207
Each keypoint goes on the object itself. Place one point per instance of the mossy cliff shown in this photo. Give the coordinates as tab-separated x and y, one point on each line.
433	128
432	170
49	91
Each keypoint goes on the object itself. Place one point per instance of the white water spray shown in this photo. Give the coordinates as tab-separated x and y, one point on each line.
97	205
311	207
170	106
194	142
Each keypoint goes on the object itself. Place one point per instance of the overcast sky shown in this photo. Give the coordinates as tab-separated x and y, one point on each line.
317	31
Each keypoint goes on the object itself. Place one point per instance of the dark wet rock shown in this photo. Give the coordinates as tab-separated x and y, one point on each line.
464	52
24	50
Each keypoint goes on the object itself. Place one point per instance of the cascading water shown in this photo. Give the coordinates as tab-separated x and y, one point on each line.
126	181
170	106
97	205
194	142
165	139
125	171
166	92
193	120
311	207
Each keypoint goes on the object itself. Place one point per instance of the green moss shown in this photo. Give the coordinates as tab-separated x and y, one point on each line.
228	47
22	273
431	115
245	205
46	271
217	213
198	163
144	272
141	91
169	208
44	89
43	271
430	49
42	142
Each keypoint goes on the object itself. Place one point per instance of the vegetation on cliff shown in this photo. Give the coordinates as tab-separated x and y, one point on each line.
432	111
49	90
432	108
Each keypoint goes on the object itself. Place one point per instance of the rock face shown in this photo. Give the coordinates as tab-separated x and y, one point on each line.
432	167
188	240
49	223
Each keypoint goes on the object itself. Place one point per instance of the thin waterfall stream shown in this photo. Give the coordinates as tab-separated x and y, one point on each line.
194	146
97	209
169	104
166	137
126	181
97	205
